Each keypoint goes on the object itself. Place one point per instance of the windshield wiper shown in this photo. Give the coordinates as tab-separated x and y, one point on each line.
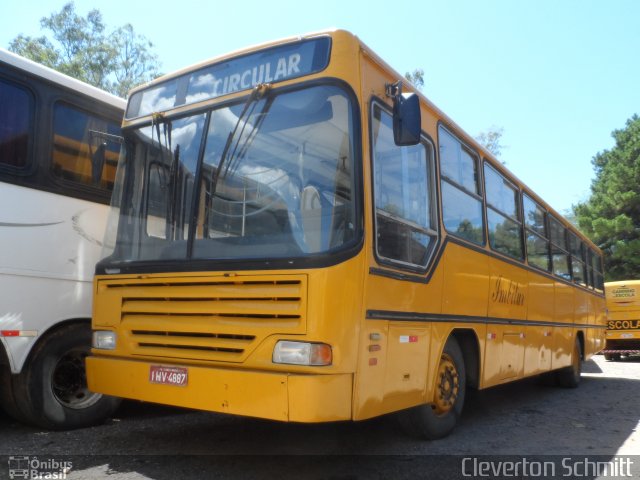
174	162
256	94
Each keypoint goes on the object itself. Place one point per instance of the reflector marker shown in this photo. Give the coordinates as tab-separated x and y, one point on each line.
18	333
408	338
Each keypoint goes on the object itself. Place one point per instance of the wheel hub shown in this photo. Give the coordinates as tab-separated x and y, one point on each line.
69	381
448	385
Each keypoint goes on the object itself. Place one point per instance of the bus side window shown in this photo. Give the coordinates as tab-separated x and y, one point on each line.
598	272
578	267
74	145
461	200
404	203
594	267
559	249
538	252
16	115
503	214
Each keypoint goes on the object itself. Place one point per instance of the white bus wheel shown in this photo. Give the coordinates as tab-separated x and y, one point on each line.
52	388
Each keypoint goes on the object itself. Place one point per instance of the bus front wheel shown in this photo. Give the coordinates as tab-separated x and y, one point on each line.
51	391
438	418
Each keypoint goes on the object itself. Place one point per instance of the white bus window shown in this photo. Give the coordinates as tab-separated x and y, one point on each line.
77	142
16	113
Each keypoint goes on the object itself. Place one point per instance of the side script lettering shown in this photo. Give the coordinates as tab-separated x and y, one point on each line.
508	292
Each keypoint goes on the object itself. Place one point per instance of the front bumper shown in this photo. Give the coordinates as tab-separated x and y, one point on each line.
272	395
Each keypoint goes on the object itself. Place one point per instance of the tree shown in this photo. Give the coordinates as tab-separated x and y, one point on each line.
417	78
81	48
611	216
490	139
135	62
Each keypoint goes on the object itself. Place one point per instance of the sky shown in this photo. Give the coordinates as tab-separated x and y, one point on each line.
558	76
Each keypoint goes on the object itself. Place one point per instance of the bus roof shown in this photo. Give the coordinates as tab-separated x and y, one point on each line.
60	78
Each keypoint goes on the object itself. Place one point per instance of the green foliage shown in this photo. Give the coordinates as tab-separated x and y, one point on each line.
416	77
611	216
81	48
136	64
506	237
467	230
490	139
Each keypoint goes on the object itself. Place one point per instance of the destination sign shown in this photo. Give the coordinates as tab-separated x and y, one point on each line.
271	65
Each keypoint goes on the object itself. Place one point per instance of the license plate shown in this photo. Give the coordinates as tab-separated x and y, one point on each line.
176	376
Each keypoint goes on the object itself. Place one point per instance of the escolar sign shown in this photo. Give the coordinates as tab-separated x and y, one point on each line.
623	324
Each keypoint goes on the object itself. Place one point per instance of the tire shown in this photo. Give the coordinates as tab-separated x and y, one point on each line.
7	399
51	391
438	418
548	379
569	377
612	357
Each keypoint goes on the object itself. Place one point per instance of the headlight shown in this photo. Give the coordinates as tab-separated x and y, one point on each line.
302	353
104	340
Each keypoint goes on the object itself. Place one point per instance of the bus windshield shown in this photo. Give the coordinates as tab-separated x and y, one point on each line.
271	177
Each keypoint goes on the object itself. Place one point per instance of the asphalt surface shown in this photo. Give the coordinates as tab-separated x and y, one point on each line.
522	420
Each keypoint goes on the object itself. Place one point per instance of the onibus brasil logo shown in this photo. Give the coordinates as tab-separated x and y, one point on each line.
23	466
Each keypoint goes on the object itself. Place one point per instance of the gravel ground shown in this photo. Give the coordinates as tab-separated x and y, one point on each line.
522	419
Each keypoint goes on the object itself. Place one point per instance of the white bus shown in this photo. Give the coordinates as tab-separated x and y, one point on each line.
59	145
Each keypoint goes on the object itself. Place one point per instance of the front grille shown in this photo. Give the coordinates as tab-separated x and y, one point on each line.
174	339
217	320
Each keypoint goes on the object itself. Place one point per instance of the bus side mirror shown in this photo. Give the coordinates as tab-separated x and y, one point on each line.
406	119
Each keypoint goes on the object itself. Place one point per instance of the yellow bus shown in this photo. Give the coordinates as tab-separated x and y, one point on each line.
623	327
299	235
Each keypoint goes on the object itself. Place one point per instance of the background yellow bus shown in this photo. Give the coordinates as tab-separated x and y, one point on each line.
623	326
297	235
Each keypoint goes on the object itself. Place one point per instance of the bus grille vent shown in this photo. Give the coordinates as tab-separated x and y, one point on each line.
210	320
